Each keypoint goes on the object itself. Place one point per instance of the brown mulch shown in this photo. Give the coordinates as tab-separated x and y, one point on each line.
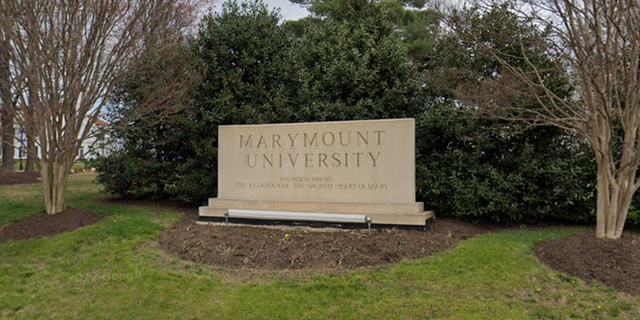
7	178
304	248
616	263
44	225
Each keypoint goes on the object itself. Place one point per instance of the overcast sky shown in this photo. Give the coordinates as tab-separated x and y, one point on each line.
288	10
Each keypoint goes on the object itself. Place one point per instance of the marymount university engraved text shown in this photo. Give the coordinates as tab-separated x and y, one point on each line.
353	161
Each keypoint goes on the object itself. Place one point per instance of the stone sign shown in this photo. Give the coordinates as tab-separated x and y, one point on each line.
353	161
360	167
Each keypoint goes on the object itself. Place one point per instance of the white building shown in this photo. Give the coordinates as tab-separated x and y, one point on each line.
92	147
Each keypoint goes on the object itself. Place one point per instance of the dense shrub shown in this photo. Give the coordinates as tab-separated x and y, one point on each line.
355	65
469	169
346	67
132	177
258	71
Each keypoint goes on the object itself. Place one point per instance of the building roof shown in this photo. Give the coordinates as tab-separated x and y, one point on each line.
101	123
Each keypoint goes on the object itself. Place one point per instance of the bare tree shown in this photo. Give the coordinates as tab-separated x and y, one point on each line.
71	55
32	152
597	43
7	131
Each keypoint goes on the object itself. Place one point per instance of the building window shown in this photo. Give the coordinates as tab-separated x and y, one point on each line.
21	153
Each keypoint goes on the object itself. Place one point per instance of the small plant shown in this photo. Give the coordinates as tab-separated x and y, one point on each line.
285	238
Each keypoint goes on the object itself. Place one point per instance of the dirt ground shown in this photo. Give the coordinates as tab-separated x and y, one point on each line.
616	263
19	177
257	247
43	225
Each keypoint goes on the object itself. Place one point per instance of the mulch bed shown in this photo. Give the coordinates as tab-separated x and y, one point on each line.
44	225
303	248
616	263
7	178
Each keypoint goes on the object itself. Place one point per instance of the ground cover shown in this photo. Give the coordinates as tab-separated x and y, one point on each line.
7	178
615	263
44	225
308	248
115	269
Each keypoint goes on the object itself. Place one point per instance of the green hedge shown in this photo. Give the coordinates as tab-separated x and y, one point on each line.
354	67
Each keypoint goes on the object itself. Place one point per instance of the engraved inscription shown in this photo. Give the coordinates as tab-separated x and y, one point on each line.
353	161
310	183
309	141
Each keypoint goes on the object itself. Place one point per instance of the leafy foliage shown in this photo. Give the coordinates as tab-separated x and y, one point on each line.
415	26
462	68
484	168
352	60
132	176
355	64
467	169
258	71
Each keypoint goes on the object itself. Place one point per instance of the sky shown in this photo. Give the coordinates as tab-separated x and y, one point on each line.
288	10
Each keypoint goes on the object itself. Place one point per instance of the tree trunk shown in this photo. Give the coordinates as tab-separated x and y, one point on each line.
54	179
602	201
613	202
7	132
32	154
7	139
31	151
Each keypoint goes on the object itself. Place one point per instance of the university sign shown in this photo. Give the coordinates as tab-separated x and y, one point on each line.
351	167
311	141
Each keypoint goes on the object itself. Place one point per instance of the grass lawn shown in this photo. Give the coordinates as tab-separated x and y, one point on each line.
115	270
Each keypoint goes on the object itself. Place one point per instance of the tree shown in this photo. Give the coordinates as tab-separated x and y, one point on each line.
463	70
7	131
485	168
415	25
598	46
257	70
355	63
418	28
72	54
32	152
247	76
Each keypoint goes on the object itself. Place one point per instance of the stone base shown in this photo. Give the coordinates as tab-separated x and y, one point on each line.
412	214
